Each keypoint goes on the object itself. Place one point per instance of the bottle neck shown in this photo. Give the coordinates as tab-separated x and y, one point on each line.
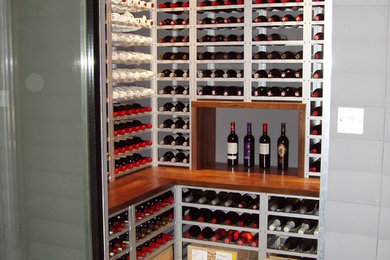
232	128
249	128
283	129
265	129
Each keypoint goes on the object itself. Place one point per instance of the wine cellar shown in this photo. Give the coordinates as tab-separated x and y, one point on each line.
171	68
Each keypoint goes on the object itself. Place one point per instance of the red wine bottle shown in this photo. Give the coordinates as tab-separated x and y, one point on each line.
299	55
232	236
204	74
208	196
287	55
260	19
288	18
318	17
166	90
167	123
233	200
232	146
165	73
318	55
193	196
165	22
255	241
191	214
205	91
317	92
315	166
317	111
264	150
315	148
274	18
245	238
218	38
193	232
205	38
318	36
205	20
204	3
219	234
273	55
276	37
221	198
218	217
217	74
206	234
298	73
205	215
288	73
167	107
283	149
299	18
180	90
260	37
246	201
249	147
246	220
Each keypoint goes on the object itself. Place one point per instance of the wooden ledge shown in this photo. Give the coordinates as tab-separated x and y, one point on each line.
141	185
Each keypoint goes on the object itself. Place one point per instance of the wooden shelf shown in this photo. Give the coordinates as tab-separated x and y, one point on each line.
203	120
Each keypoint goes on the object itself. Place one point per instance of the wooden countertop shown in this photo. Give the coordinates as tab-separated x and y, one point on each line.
140	185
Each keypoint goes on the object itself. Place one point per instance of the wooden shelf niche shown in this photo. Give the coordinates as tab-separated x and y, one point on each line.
203	120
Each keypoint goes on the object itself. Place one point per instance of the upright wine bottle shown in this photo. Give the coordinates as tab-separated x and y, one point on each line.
232	146
249	147
282	149
264	151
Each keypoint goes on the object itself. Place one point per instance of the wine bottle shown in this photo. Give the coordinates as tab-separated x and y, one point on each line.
274	92
218	20
291	243
194	195
221	198
166	90
260	37
249	147
232	146
180	90
164	5
299	55
274	18
180	38
219	234
190	214
274	73
260	55
205	38
165	22
288	73
292	205
264	149
166	39
288	18
290	224
179	157
318	17
206	233
180	124
299	18
317	74
217	74
218	217
255	241
308	245
165	73
260	74
298	92
273	55
167	123
232	38
233	200
232	236
204	3
276	37
317	111
179	73
230	74
205	20
283	149
260	91
315	148
246	201
245	238
167	107
194	231
180	140
218	38
287	92
276	223
315	166
298	73
306	225
204	74
318	36
207	196
287	55
277	204
205	91
204	56
167	157
205	215
308	206
165	56
317	92
260	19
318	55
316	129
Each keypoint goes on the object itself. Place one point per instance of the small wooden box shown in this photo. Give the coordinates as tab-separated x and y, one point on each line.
198	252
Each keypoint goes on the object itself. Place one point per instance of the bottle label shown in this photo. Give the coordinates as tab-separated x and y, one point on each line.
264	148
232	151
282	150
247	150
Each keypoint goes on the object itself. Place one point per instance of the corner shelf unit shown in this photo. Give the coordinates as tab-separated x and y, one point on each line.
300	37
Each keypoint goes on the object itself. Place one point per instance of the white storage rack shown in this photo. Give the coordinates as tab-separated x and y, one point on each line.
125	28
269	241
300	38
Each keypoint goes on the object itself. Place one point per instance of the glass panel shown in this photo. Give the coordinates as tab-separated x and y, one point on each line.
49	47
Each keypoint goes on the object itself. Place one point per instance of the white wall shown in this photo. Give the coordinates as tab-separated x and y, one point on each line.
358	205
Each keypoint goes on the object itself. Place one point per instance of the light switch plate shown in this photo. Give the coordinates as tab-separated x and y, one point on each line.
350	120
